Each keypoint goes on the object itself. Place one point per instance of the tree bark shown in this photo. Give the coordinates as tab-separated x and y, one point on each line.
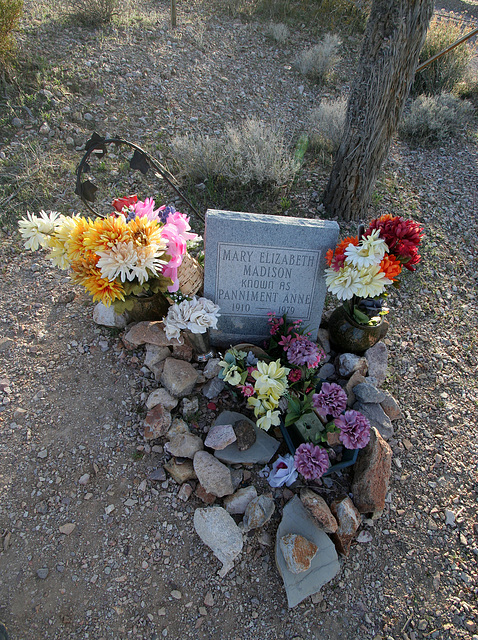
393	38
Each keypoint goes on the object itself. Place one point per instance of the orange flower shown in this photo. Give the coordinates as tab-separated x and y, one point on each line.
105	233
340	250
385	217
391	267
77	249
328	257
102	290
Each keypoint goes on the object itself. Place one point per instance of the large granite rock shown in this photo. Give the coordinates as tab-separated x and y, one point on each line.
391	406
366	392
349	521
324	565
107	317
220	533
214	476
220	436
372	475
348	363
261	451
154	355
180	471
178	377
184	445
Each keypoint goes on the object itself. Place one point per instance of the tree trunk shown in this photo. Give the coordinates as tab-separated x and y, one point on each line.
393	38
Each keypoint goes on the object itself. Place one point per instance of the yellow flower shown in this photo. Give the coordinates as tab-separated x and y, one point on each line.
105	233
269	419
58	254
77	250
89	276
146	232
271	379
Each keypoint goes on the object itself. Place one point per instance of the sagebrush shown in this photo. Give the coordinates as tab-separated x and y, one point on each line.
278	32
251	153
326	125
318	62
94	13
10	16
451	68
433	119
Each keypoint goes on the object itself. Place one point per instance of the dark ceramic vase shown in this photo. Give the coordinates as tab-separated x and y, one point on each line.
153	307
348	336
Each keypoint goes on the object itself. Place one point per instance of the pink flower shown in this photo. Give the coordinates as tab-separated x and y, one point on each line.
285	342
331	400
295	375
181	222
354	429
311	461
146	208
247	390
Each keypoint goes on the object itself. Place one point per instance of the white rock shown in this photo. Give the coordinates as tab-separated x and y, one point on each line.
107	317
220	533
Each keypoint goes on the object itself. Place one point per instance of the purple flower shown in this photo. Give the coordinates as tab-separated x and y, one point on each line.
354	429
331	400
311	461
303	351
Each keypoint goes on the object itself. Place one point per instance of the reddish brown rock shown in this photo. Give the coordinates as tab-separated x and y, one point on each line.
318	508
183	352
391	407
149	332
349	521
202	494
298	552
353	381
157	422
372	474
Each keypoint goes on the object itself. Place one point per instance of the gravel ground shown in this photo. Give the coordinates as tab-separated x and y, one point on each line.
72	397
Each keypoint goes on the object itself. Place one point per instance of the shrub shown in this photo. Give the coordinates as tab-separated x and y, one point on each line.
433	119
10	15
251	153
278	32
326	124
94	13
444	73
345	15
319	61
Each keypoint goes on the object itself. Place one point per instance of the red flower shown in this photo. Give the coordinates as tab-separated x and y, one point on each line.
295	375
120	203
402	237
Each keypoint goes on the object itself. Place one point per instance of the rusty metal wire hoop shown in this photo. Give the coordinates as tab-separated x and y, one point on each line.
141	161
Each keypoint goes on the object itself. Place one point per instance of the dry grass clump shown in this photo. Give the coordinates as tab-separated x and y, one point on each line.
278	31
251	153
94	13
326	125
433	119
10	15
451	68
318	62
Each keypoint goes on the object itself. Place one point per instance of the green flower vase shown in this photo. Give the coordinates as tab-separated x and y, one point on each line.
348	336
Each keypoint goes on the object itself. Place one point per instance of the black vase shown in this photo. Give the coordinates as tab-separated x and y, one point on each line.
348	336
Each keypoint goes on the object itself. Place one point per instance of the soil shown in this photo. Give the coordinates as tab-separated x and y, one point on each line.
72	396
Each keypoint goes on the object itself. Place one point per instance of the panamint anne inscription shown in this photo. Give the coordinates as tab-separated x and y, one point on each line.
253	280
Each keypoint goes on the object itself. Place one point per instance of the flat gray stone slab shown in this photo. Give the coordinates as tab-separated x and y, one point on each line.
257	263
324	566
261	451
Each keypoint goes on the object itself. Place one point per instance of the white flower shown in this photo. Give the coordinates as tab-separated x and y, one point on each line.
147	261
372	282
368	252
267	420
174	322
283	471
197	315
119	260
344	283
36	229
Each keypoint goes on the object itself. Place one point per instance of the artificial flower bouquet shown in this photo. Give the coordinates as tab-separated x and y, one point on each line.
286	381
196	315
135	251
362	267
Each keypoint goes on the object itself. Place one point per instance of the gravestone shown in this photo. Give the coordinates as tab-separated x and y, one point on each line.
259	263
